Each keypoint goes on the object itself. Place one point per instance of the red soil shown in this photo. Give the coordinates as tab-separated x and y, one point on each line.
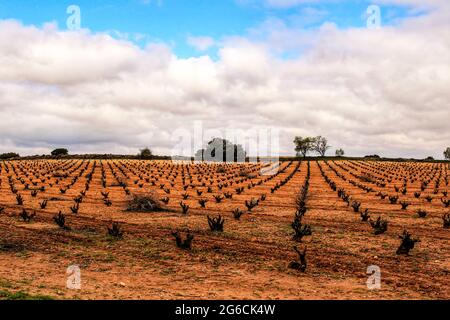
249	260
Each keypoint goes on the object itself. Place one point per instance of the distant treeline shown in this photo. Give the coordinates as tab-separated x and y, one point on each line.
367	158
80	156
14	156
9	155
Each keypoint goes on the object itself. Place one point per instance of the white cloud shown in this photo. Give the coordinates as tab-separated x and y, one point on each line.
287	4
370	91
415	3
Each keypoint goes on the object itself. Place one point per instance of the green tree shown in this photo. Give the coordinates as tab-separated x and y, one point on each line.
303	145
221	150
9	155
320	145
60	152
447	153
145	153
340	153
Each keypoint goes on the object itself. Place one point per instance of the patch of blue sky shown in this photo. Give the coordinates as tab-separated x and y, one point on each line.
173	21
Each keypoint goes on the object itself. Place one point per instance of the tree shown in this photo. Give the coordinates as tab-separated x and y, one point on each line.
145	153
321	145
9	155
375	156
447	153
303	145
60	152
221	150
340	153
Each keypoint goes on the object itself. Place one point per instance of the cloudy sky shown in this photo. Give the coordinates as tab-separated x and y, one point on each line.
147	72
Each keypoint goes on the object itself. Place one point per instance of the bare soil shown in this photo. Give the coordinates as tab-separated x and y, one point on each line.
249	260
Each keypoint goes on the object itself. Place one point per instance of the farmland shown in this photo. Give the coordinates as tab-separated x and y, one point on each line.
243	227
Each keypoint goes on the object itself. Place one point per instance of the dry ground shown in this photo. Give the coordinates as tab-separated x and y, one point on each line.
249	260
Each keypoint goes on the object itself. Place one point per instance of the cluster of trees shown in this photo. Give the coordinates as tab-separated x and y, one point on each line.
447	154
60	152
319	144
373	156
340	153
221	150
9	155
145	153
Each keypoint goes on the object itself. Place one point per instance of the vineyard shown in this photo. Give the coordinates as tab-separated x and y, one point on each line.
161	230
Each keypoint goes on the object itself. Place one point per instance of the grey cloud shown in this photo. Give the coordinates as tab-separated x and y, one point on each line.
370	91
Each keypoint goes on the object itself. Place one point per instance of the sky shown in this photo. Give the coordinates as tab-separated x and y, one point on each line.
143	73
